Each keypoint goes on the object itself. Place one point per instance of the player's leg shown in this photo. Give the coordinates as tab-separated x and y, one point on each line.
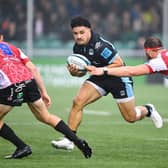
7	133
87	94
124	96
132	113
41	113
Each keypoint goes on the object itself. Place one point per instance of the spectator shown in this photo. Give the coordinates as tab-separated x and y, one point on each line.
139	19
39	24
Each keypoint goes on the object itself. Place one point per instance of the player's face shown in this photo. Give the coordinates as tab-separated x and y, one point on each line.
81	35
151	54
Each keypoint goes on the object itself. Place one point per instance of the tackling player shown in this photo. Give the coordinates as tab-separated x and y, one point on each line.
101	53
20	82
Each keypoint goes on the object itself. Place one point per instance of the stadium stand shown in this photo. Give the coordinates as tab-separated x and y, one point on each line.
121	21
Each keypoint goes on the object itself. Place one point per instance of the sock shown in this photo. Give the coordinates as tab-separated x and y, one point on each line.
64	129
149	110
7	133
74	132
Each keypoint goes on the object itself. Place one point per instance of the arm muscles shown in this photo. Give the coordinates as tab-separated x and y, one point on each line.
129	70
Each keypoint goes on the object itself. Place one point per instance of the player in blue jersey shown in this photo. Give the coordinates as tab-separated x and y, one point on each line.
101	53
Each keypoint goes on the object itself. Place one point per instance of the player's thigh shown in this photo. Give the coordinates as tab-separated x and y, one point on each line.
127	109
41	112
39	109
87	94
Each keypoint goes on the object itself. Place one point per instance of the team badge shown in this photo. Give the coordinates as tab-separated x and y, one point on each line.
91	51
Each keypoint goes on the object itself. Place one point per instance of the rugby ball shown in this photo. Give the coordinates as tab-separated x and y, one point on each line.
79	61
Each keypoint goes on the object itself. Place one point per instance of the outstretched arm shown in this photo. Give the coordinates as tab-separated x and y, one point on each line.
120	71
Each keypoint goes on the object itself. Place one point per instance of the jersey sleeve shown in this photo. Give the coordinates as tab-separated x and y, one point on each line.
156	65
23	57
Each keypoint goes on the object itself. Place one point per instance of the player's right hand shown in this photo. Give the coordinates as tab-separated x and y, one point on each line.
74	71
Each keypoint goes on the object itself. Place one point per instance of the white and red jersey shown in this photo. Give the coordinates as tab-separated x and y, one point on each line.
12	65
160	63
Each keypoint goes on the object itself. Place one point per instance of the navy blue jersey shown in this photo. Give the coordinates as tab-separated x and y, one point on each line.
102	53
99	51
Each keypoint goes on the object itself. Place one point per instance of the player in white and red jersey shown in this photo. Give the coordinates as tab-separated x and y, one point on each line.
160	63
20	82
12	65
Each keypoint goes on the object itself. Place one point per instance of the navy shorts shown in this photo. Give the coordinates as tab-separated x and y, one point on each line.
16	94
119	87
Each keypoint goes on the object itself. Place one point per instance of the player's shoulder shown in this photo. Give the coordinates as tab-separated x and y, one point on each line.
8	48
107	43
4	43
10	45
164	53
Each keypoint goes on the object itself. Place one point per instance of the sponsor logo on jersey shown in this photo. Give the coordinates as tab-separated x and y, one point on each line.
106	53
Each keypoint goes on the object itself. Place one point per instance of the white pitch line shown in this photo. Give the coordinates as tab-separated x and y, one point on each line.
98	113
93	112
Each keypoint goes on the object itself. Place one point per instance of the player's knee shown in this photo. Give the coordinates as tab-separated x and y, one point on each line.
133	116
78	102
130	119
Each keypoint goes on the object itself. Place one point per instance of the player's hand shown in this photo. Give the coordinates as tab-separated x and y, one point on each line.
46	100
94	70
74	71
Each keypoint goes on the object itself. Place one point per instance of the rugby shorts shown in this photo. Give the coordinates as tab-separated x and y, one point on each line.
119	87
16	94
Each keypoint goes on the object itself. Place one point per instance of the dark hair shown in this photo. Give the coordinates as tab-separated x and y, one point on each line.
80	21
153	42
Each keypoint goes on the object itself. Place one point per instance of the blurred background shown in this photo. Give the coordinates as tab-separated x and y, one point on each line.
41	27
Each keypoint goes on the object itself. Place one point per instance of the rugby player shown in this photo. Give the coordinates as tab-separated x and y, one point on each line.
101	53
20	82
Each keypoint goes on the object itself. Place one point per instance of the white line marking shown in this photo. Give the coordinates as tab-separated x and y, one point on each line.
93	112
100	113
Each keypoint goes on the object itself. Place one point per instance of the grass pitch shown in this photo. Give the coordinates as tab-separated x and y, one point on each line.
115	143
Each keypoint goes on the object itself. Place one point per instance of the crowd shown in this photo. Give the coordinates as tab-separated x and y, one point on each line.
115	19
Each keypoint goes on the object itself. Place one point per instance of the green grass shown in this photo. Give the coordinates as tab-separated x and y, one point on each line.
115	143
